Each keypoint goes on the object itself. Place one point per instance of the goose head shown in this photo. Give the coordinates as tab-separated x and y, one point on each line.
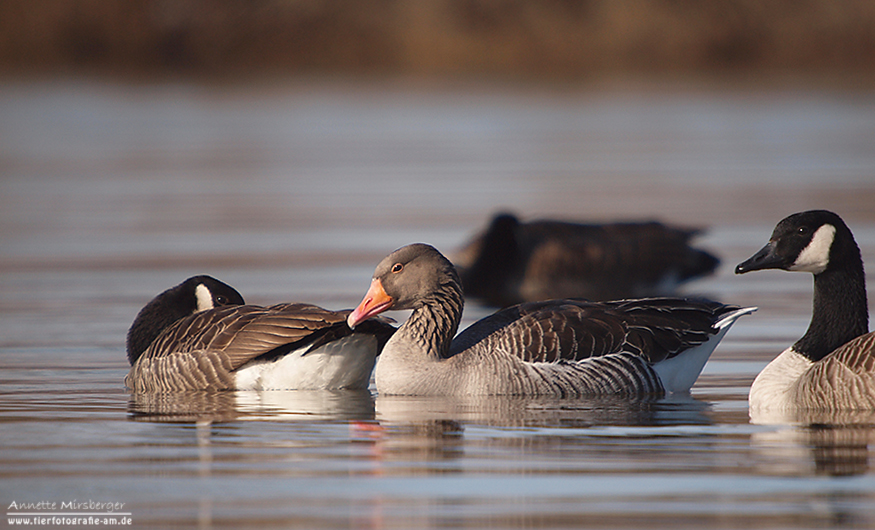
405	279
195	294
805	241
819	242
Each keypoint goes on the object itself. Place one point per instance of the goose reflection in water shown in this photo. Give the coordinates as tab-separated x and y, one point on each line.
830	449
835	443
241	405
360	405
517	411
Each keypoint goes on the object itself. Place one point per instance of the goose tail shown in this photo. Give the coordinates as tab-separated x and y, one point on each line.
679	373
729	318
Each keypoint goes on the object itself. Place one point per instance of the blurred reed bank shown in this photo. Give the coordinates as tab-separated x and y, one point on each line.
540	39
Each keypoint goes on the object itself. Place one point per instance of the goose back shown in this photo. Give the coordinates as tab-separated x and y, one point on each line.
513	262
571	330
205	350
843	380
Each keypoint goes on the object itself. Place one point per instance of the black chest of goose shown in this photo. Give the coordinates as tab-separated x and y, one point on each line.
832	367
559	347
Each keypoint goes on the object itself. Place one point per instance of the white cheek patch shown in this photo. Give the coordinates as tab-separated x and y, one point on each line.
815	257
204	297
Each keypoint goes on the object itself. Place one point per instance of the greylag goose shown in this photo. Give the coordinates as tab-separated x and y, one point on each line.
560	347
832	367
220	345
513	262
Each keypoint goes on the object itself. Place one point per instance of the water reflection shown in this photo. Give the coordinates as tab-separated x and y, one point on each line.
285	405
512	411
803	417
832	443
360	405
816	449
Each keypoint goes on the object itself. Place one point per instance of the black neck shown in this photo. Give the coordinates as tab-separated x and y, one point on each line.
158	314
841	311
435	321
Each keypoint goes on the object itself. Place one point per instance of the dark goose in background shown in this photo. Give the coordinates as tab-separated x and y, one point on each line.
227	347
513	262
560	347
832	367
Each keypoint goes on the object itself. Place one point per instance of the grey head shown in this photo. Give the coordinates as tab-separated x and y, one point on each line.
412	273
411	277
195	294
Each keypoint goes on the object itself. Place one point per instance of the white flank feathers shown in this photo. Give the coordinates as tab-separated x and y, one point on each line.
342	363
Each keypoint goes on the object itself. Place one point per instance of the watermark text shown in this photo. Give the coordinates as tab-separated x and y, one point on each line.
67	513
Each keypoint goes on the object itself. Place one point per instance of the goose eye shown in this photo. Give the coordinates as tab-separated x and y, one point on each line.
397	267
221	300
802	230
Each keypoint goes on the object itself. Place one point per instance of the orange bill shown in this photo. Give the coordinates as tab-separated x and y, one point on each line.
375	302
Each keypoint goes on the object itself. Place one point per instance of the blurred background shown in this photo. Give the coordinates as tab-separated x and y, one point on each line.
286	146
550	40
191	135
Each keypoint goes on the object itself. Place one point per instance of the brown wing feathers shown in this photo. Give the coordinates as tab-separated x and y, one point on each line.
203	350
655	329
280	329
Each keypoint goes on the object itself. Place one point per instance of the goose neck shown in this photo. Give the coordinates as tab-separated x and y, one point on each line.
840	312
434	322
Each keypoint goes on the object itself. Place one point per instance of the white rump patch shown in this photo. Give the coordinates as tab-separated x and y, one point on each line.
679	373
815	257
204	297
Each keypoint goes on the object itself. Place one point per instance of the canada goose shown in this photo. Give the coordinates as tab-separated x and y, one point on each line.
218	346
832	367
195	294
513	262
560	347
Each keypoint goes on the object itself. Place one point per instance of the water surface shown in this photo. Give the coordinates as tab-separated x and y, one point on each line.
110	194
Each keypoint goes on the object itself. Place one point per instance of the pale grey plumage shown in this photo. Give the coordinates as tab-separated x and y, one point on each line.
562	347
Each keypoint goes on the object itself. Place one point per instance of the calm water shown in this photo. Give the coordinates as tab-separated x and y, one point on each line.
110	194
